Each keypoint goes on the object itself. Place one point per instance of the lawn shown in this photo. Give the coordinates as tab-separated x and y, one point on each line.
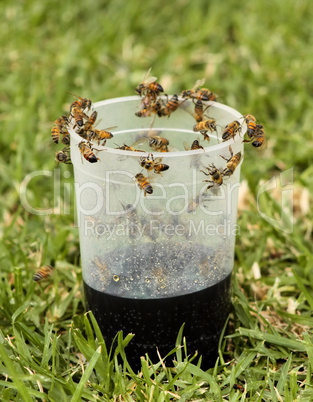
257	57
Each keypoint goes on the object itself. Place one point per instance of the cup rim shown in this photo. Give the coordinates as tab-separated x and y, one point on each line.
171	154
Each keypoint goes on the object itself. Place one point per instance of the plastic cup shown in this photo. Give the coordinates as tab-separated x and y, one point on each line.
153	262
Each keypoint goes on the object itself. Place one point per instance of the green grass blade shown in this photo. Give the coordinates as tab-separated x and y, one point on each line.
309	349
178	344
46	354
89	332
99	336
272	339
85	377
284	371
20	312
20	386
304	290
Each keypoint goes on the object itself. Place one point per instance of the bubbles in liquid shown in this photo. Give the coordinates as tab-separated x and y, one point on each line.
158	270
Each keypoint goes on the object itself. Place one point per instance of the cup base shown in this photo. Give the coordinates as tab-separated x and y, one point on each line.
156	322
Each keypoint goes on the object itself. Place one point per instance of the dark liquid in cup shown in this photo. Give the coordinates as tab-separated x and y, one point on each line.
156	321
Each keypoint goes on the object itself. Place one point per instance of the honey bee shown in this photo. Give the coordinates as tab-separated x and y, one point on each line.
251	124
149	86
146	101
195	160
81	103
198	93
149	163
146	162
79	116
129	148
160	167
43	273
91	121
216	176
154	88
143	113
203	94
258	139
87	151
102	266
199	111
55	134
204	126
133	219
153	107
170	106
159	143
239	387
193	204
231	130
59	127
232	162
63	156
100	135
66	139
190	92
102	272
194	145
130	211
143	184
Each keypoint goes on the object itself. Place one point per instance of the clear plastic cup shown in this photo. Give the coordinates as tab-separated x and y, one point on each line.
160	254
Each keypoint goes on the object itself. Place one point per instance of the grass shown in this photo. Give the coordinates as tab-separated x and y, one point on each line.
256	57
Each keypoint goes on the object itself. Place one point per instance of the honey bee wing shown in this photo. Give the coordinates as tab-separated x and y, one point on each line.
152	121
216	191
188	107
150	176
150	80
147	78
147	74
109	128
140	141
154	133
205	109
157	160
186	146
199	83
172	149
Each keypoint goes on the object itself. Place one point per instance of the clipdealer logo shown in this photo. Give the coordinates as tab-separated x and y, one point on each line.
94	198
277	213
154	228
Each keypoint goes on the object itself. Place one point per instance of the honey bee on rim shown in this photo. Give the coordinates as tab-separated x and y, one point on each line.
87	151
149	86
232	162
198	93
59	127
63	156
231	130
